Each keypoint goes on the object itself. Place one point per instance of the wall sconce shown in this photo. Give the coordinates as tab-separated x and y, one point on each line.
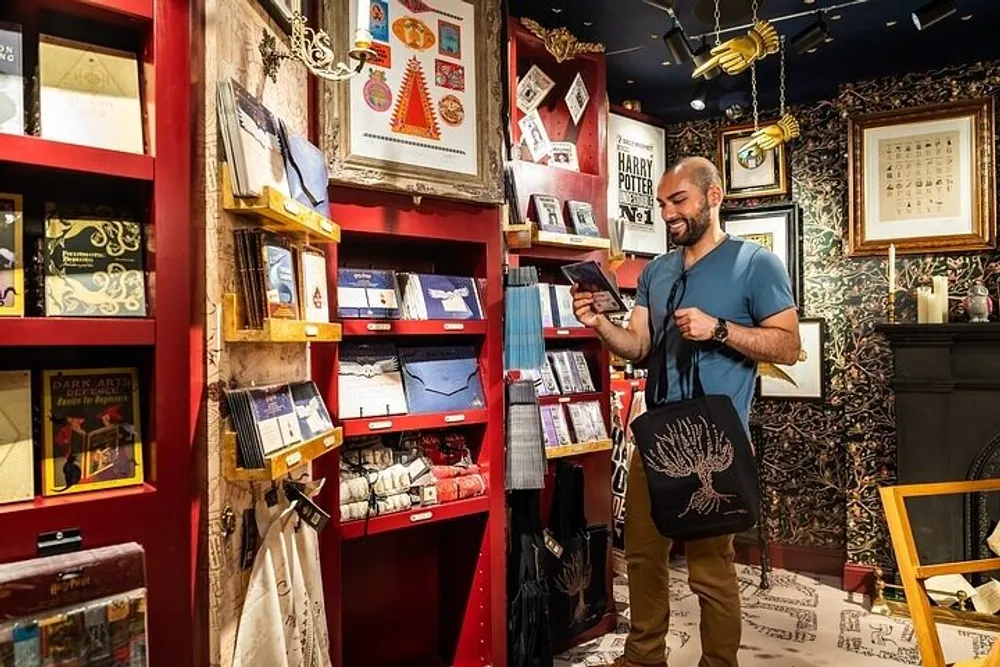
314	49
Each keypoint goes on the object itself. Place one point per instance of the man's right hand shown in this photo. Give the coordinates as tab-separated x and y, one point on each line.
583	307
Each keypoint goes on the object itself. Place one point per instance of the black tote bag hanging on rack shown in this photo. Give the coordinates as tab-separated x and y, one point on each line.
696	454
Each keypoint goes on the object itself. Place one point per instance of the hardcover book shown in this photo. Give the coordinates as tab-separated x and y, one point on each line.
589	277
251	136
315	287
581	214
562	307
17	470
275	417
441	379
11	255
370	382
367	293
281	287
582	370
545	302
94	268
433	297
11	80
91	432
310	409
89	95
549	215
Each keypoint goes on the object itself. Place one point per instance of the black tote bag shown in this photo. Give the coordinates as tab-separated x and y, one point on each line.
696	454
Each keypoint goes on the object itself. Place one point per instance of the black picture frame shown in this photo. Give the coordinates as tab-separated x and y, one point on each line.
790	216
281	11
808	328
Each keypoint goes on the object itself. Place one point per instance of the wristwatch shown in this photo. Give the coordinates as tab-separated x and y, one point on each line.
721	332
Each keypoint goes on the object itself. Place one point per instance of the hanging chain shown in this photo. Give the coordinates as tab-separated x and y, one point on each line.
781	112
754	10
718	18
753	77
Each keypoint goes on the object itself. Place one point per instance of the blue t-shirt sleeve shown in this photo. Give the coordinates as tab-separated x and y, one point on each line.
770	289
642	287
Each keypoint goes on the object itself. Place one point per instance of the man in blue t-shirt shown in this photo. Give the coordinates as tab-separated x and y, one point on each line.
732	301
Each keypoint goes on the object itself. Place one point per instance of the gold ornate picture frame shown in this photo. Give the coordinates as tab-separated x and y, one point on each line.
425	118
923	179
739	181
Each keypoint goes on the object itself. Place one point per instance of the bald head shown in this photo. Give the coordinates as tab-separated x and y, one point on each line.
700	171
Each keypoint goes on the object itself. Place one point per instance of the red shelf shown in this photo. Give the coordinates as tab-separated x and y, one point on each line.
419	516
72	331
558	333
413	327
397	423
42	502
36	152
571	398
131	9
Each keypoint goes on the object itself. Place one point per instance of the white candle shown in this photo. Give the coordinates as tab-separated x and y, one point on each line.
941	297
892	269
924	304
364	14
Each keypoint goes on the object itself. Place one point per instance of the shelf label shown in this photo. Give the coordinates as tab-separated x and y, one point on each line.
291	207
454	326
564	399
421	516
293	458
379	326
562	332
451	419
575	239
326	226
311	330
378	426
329	441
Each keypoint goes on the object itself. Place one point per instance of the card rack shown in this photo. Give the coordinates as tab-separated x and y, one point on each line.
162	513
278	465
526	245
450	556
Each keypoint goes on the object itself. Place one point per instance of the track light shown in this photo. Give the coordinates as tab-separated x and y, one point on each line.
700	95
810	38
677	42
932	12
702	55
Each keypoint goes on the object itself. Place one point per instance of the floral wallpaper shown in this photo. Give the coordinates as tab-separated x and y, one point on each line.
232	31
824	462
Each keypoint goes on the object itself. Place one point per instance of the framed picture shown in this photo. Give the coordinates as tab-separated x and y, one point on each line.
750	174
423	117
11	255
923	179
777	228
283	10
809	374
636	160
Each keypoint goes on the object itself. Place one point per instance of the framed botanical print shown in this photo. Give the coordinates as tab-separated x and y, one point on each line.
777	228
283	10
424	116
750	173
808	376
923	179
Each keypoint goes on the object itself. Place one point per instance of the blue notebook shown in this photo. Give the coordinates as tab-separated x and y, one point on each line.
441	379
434	297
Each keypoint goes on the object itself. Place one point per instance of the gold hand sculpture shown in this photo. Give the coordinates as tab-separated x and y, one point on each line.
772	136
738	53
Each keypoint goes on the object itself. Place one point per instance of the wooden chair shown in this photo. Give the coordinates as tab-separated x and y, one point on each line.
913	573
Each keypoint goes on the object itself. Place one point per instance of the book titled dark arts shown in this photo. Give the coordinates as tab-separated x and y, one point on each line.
94	268
91	430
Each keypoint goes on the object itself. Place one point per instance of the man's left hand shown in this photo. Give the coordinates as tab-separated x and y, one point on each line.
694	324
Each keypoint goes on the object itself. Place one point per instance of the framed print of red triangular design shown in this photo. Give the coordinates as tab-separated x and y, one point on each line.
414	113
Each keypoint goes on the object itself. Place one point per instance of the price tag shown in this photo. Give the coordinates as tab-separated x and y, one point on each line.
378	426
330	441
326	226
293	458
576	239
562	332
454	326
311	330
564	399
451	419
379	326
291	207
421	516
552	545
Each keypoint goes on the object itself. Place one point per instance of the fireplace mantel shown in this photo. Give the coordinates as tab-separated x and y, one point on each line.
946	379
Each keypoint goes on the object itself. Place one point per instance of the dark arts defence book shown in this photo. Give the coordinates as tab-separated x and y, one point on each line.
91	430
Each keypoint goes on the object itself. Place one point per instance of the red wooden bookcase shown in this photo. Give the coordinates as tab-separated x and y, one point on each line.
588	185
162	514
424	587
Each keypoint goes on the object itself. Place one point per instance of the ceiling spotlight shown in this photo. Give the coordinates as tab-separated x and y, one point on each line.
890	24
702	55
932	12
676	41
700	96
811	37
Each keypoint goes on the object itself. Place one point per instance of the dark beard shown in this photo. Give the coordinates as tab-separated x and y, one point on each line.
696	226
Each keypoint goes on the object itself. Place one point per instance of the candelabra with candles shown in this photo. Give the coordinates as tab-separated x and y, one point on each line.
314	49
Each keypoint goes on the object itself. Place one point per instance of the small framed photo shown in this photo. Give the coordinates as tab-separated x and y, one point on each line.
563	155
11	255
533	134
532	89
548	211
777	228
808	376
750	173
581	214
282	11
577	98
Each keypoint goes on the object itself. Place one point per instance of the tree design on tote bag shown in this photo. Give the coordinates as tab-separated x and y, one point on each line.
574	580
695	447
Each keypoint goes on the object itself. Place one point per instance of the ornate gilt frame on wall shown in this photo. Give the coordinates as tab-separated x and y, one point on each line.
778	184
423	180
981	166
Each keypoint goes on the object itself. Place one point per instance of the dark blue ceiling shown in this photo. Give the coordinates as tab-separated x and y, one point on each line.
863	45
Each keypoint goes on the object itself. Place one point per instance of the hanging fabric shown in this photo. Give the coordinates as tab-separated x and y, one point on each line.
528	630
623	444
283	622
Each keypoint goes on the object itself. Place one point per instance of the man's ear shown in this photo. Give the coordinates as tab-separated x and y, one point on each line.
714	196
